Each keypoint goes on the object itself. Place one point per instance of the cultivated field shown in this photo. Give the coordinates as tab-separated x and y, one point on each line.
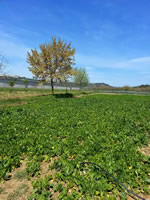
44	141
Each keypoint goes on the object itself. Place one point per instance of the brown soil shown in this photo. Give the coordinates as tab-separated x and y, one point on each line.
14	104
13	184
10	187
22	96
83	95
146	197
145	150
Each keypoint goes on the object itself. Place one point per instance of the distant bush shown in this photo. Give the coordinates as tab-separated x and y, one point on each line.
25	81
126	88
11	83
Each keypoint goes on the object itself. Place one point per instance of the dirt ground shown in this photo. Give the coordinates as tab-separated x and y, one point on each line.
21	188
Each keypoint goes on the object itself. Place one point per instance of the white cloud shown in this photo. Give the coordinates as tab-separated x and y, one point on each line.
131	72
139	64
141	60
20	68
88	68
13	48
15	52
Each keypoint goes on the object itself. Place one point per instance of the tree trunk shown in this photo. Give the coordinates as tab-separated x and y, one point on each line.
52	86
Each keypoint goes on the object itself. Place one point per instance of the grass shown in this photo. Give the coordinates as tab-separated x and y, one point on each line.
7	93
12	92
21	175
19	192
19	96
1	190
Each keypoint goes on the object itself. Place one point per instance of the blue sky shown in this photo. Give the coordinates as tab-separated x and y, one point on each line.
111	37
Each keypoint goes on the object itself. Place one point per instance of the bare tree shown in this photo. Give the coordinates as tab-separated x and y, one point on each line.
3	63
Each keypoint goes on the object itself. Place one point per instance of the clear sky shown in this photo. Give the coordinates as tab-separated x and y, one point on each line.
111	37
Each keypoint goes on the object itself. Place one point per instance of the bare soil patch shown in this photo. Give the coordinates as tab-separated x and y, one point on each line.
15	189
19	187
14	104
145	150
83	95
146	197
22	96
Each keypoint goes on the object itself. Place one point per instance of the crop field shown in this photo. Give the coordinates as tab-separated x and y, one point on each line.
44	143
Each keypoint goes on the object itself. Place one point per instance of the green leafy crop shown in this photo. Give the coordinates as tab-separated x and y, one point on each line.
41	189
32	168
104	129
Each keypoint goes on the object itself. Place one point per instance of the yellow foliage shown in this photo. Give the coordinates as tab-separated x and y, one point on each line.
53	62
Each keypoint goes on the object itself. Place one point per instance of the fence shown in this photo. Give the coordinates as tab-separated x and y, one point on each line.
33	83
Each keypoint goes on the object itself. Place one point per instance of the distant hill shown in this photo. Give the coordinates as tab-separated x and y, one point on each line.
142	86
103	85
